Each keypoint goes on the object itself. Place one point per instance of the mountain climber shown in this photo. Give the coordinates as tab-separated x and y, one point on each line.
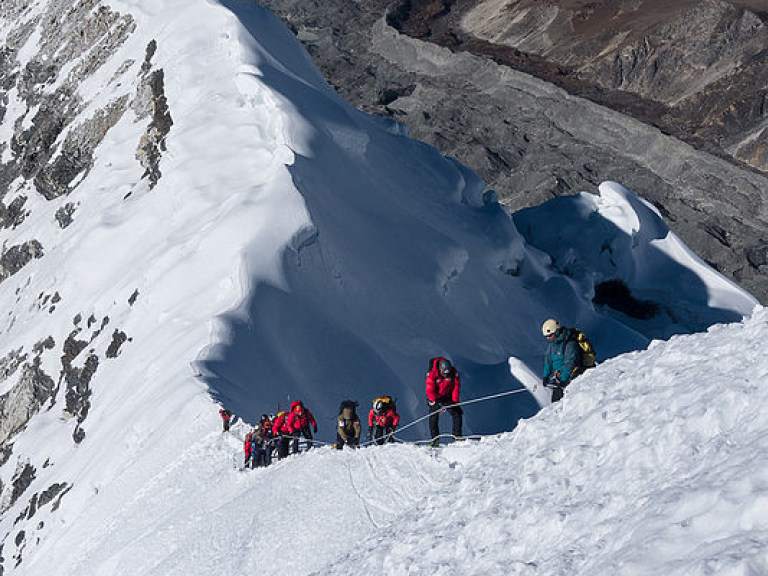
443	385
226	415
348	428
263	442
283	434
382	420
248	446
300	419
561	360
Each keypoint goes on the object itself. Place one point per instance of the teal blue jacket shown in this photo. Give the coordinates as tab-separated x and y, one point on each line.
562	356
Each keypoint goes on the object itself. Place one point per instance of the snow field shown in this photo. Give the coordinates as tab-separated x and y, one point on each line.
630	474
303	248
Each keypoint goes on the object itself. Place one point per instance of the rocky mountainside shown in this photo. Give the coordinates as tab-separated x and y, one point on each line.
63	88
695	69
550	98
49	134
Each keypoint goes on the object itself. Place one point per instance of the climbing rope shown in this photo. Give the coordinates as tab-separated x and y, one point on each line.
472	401
373	441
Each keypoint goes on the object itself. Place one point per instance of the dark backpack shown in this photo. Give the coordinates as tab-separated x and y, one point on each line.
588	356
351	404
387	401
432	362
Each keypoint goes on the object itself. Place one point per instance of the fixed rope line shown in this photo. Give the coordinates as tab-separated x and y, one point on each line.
421	419
474	400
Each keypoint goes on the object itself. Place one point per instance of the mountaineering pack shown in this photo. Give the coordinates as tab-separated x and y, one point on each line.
387	402
348	405
585	347
432	362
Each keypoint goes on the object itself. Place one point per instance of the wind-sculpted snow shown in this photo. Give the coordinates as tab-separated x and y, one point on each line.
406	256
284	245
618	248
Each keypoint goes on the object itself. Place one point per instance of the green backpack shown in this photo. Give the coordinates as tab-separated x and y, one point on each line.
588	355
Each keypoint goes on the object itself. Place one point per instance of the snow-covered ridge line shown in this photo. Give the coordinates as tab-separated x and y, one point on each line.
114	309
280	244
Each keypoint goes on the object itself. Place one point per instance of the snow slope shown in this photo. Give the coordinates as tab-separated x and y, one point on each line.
293	247
654	463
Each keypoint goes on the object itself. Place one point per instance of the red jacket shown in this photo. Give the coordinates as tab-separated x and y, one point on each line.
299	418
387	419
440	389
280	426
248	445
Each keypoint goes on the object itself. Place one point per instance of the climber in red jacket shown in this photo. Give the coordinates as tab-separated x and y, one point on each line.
283	433
382	420
443	394
249	448
226	416
301	422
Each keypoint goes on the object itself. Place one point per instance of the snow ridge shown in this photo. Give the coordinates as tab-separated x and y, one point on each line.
289	246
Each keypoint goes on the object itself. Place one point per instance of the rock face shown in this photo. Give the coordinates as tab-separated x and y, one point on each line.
695	69
535	127
48	140
46	147
50	135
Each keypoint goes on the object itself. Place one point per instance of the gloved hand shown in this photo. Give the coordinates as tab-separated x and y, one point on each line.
314	427
431	403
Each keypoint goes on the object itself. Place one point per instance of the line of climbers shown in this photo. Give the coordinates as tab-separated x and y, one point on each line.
383	420
278	436
568	354
442	391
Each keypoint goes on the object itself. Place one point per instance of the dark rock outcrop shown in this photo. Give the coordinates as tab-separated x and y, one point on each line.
22	478
13	214
83	36
151	102
77	380
25	399
16	257
118	339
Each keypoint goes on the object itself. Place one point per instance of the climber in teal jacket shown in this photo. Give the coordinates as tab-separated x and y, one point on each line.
561	360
